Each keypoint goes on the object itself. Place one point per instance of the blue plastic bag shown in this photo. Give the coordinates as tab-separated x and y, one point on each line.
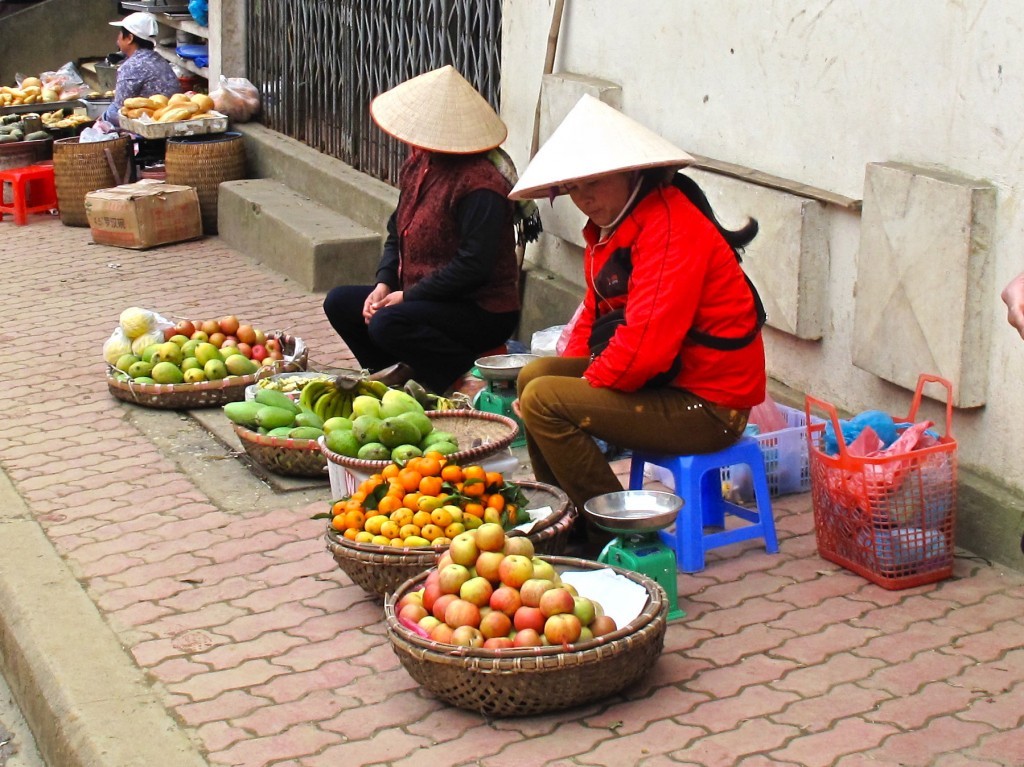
881	423
200	10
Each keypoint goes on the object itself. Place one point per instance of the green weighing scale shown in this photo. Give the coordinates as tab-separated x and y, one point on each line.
636	516
500	371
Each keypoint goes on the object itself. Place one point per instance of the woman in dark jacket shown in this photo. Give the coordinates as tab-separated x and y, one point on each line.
447	285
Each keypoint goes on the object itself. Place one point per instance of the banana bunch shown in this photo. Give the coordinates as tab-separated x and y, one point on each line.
326	400
293	383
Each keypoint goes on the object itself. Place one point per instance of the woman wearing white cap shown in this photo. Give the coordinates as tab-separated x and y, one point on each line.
447	285
144	72
667	354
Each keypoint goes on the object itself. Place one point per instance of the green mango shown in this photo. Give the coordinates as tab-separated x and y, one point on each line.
306	432
272	417
243	413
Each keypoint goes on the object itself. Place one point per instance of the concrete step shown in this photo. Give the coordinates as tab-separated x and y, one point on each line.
295	235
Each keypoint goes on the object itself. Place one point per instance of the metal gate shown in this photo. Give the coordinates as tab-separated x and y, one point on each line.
318	64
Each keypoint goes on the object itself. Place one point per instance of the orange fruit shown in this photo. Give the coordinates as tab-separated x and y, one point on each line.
388	504
338	523
391	470
430	485
452	473
395	488
494	479
358	495
474	509
475	472
474	489
409	479
339	506
353	505
496	501
354	520
351	533
430	466
412	501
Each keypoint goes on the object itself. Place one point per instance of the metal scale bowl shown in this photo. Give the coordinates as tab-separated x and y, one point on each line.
500	372
636	516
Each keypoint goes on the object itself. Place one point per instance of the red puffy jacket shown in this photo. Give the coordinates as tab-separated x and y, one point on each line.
677	273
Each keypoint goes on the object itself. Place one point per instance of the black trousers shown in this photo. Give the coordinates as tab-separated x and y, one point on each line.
439	340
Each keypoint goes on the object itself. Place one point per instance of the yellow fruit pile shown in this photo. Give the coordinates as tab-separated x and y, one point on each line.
426	502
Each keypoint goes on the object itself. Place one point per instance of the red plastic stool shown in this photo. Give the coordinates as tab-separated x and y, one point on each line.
32	191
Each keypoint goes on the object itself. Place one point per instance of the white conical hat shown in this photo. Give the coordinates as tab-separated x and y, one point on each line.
592	140
439	111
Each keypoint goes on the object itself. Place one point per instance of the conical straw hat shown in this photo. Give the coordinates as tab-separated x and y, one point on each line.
439	111
592	140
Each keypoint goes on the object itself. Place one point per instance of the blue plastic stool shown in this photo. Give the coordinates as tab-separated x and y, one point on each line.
698	482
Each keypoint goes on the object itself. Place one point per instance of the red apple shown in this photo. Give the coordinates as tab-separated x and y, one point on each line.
272	344
259	353
467	636
452	577
459	612
444	559
413	612
563	628
528	618
409	598
463	549
442	632
169	333
228	325
495	624
498	643
506	599
487	564
519	544
603	624
533	589
526	638
185	328
490	537
515	570
556	602
229	342
476	590
431	591
441	604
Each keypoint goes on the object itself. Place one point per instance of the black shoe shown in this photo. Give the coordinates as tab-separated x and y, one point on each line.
394	376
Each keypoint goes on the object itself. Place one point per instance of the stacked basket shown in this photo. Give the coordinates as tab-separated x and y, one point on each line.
534	680
380	569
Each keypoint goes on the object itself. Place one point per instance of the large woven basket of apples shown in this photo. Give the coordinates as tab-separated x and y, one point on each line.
398	521
498	630
154	362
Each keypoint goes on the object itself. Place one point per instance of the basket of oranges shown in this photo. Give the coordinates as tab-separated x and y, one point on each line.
399	520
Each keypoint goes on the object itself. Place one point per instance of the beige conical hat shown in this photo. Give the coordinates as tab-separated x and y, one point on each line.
592	140
439	111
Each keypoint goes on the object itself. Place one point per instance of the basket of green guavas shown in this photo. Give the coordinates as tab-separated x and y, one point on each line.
518	638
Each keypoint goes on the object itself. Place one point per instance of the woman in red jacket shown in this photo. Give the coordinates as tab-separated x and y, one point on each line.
667	354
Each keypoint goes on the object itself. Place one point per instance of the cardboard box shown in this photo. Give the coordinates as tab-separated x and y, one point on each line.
144	214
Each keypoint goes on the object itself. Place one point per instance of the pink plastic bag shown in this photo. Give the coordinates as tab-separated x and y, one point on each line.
767	417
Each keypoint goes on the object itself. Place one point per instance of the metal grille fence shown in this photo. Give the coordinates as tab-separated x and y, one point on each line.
319	63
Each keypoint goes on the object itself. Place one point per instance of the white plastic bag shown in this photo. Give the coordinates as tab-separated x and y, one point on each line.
237	98
543	343
563	338
65	82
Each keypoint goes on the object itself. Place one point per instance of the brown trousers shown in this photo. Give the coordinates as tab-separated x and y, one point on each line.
563	414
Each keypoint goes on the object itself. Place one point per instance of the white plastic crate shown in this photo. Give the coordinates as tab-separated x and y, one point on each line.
786	460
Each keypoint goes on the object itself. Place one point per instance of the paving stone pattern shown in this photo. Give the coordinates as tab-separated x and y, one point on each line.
267	654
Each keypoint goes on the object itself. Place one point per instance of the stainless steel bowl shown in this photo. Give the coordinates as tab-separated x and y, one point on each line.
634	511
503	367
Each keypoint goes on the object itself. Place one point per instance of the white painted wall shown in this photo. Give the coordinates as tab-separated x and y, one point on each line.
813	91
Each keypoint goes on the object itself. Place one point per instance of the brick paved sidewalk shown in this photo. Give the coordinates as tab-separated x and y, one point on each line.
268	655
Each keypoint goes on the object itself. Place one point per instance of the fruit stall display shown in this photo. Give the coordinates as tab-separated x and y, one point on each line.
154	362
494	628
398	520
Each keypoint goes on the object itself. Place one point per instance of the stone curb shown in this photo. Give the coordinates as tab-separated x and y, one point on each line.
85	700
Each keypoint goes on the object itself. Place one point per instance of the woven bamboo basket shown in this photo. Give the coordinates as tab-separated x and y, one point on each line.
381	569
82	168
204	162
187	396
479	435
534	680
282	455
